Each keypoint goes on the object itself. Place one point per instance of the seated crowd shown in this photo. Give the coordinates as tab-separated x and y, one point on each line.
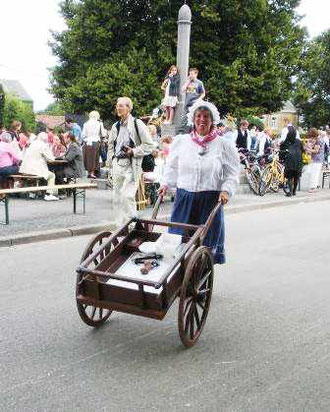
26	153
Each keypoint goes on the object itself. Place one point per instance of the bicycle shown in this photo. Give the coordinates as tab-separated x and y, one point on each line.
272	177
252	168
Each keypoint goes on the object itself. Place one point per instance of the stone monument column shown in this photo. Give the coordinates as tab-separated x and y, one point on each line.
182	57
182	62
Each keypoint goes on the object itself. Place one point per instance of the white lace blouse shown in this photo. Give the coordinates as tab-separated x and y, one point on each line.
195	169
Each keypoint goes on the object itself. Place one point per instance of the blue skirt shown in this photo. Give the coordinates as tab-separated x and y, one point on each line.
194	208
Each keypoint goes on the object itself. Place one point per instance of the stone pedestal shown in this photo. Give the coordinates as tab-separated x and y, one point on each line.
169	130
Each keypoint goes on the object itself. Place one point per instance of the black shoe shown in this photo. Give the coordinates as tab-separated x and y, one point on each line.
288	194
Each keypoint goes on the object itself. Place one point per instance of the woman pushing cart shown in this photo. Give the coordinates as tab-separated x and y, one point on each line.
204	168
139	269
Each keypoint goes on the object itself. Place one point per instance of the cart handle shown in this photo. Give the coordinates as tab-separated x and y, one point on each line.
209	221
155	210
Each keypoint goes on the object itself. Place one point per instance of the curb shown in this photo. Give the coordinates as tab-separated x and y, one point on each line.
277	203
54	234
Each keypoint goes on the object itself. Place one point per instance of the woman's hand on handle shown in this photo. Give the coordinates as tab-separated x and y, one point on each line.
224	197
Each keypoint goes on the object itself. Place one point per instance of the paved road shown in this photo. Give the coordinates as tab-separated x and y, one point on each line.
265	347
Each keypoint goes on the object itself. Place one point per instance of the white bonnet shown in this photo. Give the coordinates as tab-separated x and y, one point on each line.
199	103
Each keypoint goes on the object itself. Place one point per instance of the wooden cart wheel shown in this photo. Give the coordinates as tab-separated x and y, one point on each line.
195	297
92	315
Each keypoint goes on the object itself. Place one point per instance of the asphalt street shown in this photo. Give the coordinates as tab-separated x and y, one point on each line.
265	347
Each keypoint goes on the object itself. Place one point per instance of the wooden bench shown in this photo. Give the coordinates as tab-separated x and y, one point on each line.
79	192
26	177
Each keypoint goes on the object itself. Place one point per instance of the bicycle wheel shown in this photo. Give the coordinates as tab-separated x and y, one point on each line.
253	180
277	180
265	180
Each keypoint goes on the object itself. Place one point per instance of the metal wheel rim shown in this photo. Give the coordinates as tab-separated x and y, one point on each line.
253	182
195	297
264	185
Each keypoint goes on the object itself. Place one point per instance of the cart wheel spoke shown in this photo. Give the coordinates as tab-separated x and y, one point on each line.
204	279
202	267
198	322
201	305
93	312
189	301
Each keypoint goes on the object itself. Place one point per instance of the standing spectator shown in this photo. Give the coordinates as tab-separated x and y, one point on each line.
9	158
171	85
93	132
35	162
242	136
154	135
285	131
293	148
314	147
254	131
129	141
193	88
264	142
74	128
327	146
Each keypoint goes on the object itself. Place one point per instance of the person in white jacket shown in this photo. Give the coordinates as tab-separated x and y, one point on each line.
35	162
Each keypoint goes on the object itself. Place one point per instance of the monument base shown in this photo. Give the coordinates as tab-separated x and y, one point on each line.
169	130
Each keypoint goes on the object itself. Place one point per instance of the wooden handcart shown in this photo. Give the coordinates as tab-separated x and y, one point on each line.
102	287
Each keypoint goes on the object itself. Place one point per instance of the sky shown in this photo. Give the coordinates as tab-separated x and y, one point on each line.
25	31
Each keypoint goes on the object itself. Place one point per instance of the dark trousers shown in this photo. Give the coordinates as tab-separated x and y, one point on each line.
8	170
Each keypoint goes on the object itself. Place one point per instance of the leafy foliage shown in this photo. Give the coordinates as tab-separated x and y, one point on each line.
312	88
247	52
54	109
16	109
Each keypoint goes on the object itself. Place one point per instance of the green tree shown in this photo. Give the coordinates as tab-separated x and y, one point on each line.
16	109
312	88
247	52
